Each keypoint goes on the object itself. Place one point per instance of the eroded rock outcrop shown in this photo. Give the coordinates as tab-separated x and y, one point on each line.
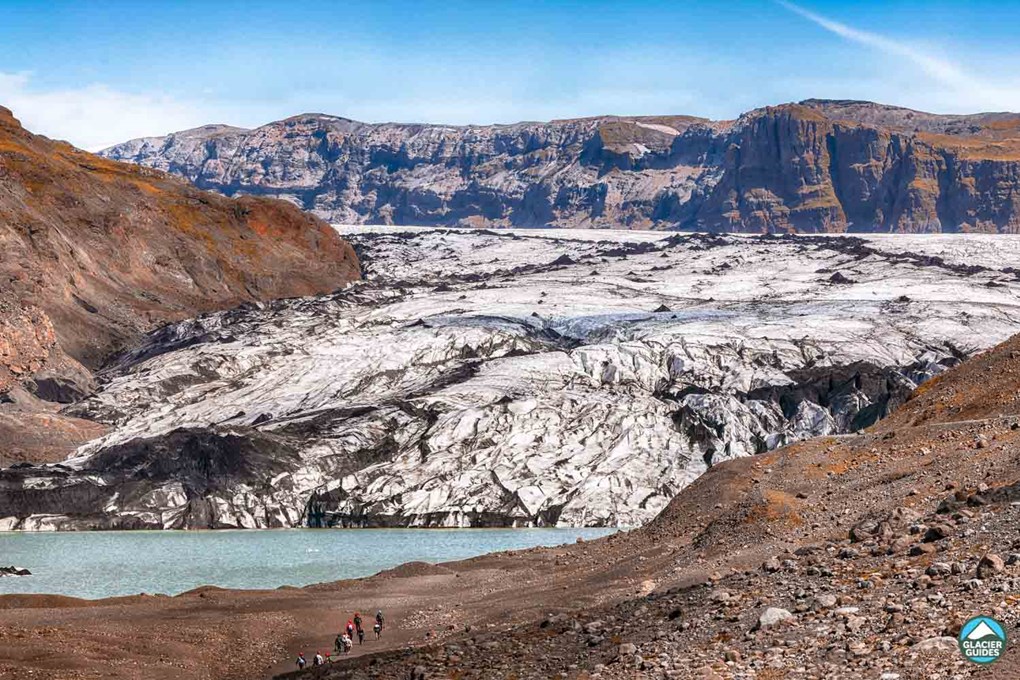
817	166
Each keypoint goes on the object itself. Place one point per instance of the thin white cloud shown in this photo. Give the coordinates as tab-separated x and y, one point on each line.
96	116
955	80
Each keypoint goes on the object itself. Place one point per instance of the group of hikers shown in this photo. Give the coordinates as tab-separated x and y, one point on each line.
345	639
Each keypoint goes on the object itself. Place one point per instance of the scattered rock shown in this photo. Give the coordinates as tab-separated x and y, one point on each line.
627	649
990	565
772	616
937	533
942	644
824	601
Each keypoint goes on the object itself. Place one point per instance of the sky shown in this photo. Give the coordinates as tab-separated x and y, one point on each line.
98	73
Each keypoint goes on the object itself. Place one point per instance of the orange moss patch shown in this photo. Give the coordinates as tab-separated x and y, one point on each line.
926	386
987	147
776	506
850	462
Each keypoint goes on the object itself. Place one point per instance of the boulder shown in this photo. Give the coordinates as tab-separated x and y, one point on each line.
990	565
773	616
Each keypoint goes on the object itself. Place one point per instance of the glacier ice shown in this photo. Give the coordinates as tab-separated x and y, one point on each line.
481	378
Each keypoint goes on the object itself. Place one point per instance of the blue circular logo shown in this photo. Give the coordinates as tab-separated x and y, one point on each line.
982	640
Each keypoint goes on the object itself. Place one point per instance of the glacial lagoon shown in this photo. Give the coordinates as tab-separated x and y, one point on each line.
112	563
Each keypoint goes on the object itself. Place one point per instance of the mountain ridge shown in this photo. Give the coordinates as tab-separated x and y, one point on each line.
812	102
812	166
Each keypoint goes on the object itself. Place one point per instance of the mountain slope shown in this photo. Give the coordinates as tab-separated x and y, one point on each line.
829	166
93	253
108	250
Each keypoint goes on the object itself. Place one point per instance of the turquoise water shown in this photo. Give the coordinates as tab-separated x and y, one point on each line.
108	563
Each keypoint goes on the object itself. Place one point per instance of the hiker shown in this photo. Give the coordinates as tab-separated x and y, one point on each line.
358	627
348	644
329	658
378	630
378	624
350	629
301	661
338	644
317	660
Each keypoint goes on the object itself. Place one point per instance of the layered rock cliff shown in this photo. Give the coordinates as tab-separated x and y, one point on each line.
94	253
817	166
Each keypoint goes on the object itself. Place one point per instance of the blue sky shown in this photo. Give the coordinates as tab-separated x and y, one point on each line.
96	73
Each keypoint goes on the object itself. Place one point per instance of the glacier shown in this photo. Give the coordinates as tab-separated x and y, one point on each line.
518	378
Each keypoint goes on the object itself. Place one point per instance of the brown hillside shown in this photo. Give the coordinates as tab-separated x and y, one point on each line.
108	250
987	387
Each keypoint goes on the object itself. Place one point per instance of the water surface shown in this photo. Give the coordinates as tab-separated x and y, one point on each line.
104	564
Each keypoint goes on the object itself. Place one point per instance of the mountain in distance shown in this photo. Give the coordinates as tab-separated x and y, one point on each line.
94	253
814	166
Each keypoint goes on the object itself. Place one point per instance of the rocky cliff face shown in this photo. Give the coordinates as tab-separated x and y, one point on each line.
483	378
94	253
817	166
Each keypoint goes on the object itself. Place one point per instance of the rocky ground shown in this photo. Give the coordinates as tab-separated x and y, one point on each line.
482	378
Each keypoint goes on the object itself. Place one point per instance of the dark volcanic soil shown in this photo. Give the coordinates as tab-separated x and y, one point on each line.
877	547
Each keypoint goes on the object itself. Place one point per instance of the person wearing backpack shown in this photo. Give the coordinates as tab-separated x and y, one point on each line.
358	627
301	663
